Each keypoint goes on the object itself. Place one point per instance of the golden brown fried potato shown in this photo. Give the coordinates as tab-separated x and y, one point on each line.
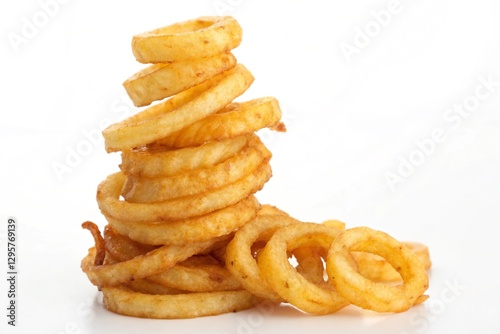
186	234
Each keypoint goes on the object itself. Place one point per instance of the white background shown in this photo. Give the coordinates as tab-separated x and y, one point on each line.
352	120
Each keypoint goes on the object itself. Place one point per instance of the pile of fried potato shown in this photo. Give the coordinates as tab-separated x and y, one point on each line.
186	236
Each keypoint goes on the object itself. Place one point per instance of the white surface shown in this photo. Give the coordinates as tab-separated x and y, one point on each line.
349	124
